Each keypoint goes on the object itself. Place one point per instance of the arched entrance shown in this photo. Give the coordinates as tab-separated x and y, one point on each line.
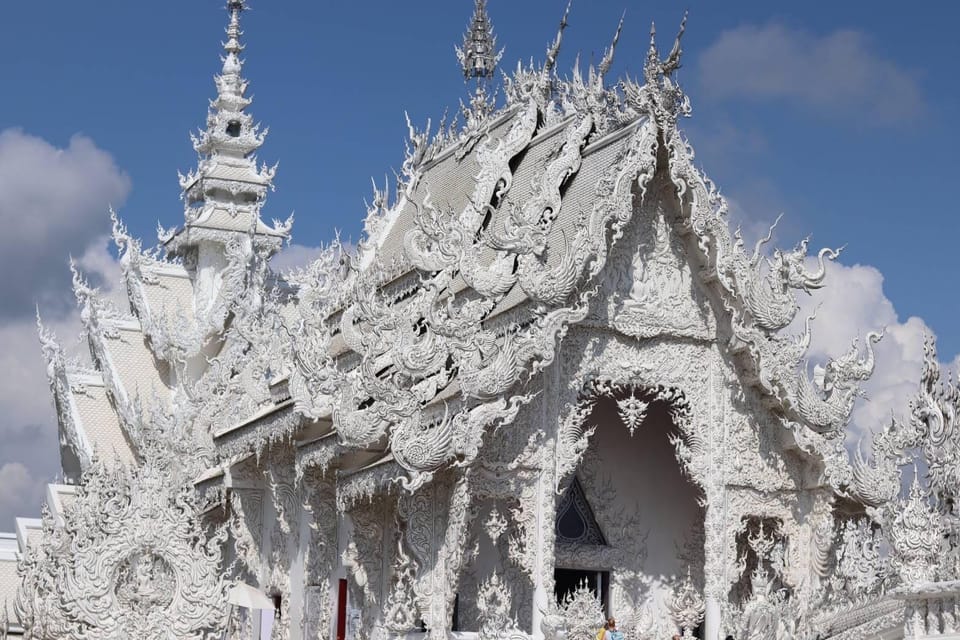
629	522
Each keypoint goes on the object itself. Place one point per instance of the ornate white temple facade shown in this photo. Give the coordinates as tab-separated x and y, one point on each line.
550	386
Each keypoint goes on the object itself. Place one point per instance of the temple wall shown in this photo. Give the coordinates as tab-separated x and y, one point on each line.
487	553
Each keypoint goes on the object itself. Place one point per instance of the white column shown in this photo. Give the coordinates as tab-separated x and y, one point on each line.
711	622
546	506
298	592
715	562
541	602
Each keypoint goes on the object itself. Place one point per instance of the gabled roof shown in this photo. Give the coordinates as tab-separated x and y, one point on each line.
466	284
89	423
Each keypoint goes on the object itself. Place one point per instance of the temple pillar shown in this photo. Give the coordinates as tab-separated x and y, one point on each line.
715	517
713	573
712	619
541	592
298	576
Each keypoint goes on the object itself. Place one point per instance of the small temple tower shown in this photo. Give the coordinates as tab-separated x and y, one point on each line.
479	55
478	59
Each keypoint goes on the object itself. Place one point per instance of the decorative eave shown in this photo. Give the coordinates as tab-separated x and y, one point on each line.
321	453
227	177
379	478
269	425
187	237
59	497
141	270
213	483
216	141
72	435
102	322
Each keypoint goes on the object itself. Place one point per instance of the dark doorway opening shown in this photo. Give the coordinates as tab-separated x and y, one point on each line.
567	580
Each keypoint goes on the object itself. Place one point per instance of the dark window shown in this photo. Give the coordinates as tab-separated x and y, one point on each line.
566	581
233	128
575	521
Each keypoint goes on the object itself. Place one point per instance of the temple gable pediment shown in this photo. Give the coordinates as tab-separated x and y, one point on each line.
649	287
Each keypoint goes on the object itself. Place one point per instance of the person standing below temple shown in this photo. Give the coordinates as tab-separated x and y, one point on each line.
610	631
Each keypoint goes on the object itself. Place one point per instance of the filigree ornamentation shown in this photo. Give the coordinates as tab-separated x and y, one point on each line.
687	607
401	607
663	296
495	601
131	559
495	525
632	411
916	537
860	570
581	614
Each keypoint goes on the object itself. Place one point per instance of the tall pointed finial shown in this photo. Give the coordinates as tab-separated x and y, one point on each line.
231	85
479	56
607	60
653	54
232	45
554	49
655	67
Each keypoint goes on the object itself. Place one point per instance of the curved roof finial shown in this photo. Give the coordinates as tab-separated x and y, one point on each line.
554	49
672	63
607	60
657	68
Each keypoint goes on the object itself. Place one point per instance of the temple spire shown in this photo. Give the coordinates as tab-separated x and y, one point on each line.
478	60
230	84
232	45
479	56
226	191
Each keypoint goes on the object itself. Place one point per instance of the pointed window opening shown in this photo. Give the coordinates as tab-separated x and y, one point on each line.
576	523
233	128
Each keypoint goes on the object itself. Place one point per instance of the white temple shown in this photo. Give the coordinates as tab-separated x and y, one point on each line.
551	386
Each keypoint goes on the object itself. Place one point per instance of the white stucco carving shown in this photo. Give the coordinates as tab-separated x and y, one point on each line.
551	386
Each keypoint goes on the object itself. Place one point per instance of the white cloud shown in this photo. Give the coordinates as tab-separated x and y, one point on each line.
53	202
28	427
834	74
850	305
295	256
20	491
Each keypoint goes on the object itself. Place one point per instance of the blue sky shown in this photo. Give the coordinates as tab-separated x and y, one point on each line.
333	80
841	118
